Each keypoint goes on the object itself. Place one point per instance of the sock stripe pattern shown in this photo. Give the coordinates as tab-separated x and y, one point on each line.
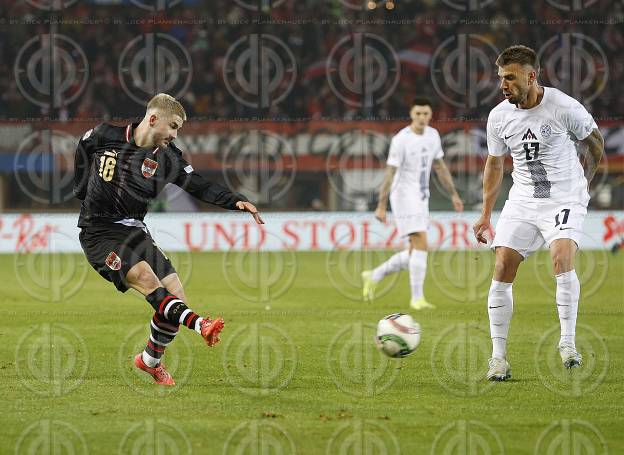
169	305
161	334
171	309
161	326
161	307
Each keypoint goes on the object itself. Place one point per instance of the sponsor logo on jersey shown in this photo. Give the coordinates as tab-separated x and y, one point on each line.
149	168
529	136
113	261
545	130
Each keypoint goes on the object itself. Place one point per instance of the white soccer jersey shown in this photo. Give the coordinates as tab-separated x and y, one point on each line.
541	141
413	154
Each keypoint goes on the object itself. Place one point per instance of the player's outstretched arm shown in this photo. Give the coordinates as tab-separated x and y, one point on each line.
593	146
492	178
183	175
197	185
446	179
384	192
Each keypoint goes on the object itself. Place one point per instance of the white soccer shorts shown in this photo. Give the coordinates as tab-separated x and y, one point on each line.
411	215
526	226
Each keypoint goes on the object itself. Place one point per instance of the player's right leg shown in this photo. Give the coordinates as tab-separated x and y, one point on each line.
500	310
517	236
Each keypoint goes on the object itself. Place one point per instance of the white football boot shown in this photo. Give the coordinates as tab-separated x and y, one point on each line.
570	356
499	369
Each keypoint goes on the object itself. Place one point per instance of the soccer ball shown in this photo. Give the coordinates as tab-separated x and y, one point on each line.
398	335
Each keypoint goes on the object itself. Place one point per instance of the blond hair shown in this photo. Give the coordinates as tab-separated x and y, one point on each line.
167	103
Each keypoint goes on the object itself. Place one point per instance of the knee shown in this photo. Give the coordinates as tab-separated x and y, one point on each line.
505	270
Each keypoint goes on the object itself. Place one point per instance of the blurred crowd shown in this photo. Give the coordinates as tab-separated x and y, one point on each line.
363	82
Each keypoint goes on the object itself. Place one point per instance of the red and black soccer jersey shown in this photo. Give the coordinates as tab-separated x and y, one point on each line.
116	179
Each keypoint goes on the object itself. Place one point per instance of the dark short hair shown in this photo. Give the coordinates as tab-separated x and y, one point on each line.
518	54
421	101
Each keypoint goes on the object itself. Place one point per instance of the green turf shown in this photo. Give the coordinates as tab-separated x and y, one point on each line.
297	369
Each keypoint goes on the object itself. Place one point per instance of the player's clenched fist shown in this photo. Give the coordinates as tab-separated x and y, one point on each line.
481	227
249	207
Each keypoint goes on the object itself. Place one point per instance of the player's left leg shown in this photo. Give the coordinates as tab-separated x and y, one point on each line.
418	269
562	228
397	262
562	253
162	333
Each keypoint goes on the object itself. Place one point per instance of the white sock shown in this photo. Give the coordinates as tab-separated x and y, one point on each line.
198	326
396	263
568	291
500	309
417	272
150	361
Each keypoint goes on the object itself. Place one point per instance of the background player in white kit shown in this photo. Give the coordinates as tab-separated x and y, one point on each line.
542	128
413	152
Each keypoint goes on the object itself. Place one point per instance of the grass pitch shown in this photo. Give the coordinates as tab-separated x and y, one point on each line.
297	370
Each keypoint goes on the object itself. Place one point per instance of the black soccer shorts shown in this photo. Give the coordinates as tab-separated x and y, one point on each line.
113	249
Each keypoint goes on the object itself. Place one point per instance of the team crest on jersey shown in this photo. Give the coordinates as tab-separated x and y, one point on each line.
149	168
113	261
529	136
545	130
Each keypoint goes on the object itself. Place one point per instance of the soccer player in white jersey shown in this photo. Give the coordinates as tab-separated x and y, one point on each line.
413	152
542	128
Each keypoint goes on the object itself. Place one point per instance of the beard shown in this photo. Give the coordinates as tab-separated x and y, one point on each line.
519	98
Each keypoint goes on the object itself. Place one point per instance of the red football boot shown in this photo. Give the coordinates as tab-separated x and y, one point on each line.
160	375
210	330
